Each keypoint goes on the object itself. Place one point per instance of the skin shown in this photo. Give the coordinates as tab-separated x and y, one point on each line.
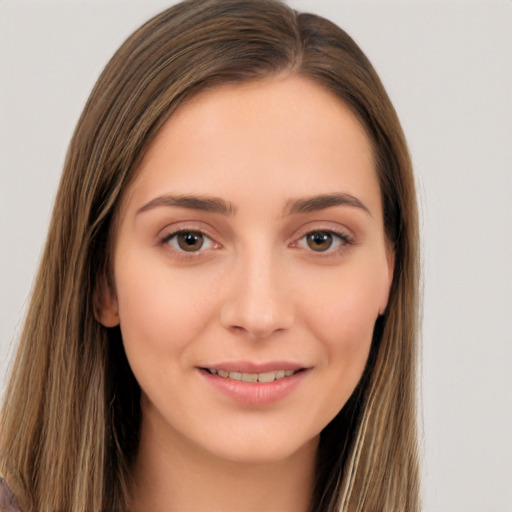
255	291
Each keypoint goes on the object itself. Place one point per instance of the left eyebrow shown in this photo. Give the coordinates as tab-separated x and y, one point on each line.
191	202
320	202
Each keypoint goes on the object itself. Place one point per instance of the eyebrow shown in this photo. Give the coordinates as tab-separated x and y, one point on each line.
220	206
192	202
320	202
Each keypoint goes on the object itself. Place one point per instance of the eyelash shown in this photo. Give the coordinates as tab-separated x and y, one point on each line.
181	253
340	242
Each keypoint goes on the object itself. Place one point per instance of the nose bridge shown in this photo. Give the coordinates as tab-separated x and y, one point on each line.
258	303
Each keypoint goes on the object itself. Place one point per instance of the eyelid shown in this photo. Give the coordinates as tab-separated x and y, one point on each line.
342	235
172	231
186	225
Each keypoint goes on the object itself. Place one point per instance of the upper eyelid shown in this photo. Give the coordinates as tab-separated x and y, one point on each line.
175	232
326	226
183	226
334	231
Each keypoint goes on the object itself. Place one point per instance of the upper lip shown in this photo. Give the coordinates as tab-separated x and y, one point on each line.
254	367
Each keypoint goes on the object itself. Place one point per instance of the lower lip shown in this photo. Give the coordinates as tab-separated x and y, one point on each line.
255	393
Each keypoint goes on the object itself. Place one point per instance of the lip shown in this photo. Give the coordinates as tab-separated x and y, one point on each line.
255	393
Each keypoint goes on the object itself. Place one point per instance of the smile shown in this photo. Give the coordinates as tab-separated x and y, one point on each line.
264	377
243	383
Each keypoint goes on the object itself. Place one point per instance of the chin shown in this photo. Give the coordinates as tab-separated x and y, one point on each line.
263	449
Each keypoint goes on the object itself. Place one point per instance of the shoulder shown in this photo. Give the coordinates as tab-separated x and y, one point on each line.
7	499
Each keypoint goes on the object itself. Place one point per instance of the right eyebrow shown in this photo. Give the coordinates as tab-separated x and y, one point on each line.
192	202
323	201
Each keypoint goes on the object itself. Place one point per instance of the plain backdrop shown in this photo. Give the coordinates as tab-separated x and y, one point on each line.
447	67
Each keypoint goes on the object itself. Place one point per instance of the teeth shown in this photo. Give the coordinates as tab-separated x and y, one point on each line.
267	376
253	377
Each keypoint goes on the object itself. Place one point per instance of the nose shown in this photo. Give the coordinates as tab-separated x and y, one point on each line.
259	302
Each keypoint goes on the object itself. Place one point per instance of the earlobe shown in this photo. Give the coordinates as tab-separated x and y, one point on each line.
106	310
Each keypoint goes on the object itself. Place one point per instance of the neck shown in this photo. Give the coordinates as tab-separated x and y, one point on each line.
174	476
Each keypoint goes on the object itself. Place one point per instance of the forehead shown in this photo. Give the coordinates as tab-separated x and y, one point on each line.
279	136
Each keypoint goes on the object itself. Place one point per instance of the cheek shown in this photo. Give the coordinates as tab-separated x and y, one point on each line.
159	311
342	308
341	312
344	326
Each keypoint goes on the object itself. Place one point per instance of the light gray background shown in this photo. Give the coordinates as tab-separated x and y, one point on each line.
447	67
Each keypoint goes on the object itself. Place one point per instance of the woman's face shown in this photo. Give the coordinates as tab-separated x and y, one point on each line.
250	265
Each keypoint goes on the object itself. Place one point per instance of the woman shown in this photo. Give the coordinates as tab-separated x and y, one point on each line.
225	313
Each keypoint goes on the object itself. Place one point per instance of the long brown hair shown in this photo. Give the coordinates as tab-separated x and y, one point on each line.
70	420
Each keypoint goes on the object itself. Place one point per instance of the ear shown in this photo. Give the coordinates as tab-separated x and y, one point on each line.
390	257
106	310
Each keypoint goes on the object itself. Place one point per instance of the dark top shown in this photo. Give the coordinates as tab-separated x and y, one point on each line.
7	500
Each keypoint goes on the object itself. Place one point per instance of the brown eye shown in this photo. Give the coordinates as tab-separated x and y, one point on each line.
190	241
319	240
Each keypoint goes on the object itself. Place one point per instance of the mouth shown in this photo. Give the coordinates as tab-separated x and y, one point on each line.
254	384
262	377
